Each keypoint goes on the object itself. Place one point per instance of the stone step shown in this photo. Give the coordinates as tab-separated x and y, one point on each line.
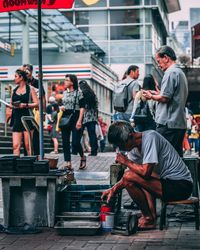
6	150
8	143
9	133
9	139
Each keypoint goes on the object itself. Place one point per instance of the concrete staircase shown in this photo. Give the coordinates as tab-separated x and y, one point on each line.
6	141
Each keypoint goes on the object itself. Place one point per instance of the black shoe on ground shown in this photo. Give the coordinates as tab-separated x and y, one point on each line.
74	153
93	154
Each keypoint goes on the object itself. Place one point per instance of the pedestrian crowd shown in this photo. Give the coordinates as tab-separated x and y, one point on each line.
86	131
151	129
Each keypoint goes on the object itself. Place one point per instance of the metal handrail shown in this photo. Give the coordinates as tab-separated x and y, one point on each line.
24	120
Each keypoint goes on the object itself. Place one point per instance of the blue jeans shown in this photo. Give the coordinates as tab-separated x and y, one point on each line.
194	142
121	117
103	144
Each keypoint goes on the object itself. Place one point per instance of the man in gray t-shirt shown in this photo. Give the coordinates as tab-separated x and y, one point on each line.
170	110
133	88
155	170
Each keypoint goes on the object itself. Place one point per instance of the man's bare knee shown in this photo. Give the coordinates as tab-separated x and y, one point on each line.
130	176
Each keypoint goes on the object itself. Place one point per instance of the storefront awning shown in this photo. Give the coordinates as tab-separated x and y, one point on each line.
57	31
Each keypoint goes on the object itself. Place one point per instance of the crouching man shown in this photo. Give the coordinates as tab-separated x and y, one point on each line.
155	170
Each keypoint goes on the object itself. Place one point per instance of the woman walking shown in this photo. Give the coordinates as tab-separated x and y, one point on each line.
145	123
24	98
73	103
91	115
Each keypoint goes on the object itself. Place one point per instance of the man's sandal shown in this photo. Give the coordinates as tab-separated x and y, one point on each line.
83	163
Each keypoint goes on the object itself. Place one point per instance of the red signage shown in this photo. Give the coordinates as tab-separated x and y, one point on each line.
13	5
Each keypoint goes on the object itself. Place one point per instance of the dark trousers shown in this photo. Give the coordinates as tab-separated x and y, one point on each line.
74	149
66	142
174	136
103	144
91	128
36	142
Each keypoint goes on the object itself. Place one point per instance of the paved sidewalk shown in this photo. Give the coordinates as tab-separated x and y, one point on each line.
178	235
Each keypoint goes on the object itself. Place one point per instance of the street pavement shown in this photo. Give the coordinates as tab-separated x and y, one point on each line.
178	235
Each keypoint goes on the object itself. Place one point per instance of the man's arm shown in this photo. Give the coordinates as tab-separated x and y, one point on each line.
144	170
110	192
159	98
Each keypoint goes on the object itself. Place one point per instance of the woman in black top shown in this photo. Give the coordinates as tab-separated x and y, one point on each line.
23	99
70	96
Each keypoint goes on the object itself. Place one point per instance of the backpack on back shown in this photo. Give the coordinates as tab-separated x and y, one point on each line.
120	98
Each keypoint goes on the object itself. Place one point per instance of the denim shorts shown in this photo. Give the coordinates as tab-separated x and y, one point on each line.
121	117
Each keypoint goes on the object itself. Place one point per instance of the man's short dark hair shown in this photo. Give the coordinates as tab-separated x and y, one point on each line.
29	66
166	51
132	68
118	132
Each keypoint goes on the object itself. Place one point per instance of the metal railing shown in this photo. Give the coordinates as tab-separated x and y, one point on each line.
25	120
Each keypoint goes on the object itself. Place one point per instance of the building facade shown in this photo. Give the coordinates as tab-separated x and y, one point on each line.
129	31
97	74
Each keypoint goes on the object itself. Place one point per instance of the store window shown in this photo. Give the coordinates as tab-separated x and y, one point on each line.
82	17
148	48
125	2
89	3
150	2
148	16
126	32
91	17
98	33
125	16
127	60
127	48
148	32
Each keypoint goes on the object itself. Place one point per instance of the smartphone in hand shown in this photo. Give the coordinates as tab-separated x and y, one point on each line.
16	104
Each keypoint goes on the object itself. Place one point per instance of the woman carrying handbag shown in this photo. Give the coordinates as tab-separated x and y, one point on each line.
73	107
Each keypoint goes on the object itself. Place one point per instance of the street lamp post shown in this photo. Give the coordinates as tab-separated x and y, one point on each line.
40	78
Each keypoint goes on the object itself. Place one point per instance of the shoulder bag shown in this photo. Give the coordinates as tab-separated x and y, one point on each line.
142	113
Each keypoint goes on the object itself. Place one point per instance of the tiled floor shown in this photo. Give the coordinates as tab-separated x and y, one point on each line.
177	236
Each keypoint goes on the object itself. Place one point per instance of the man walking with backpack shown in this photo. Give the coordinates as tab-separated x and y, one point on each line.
124	94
